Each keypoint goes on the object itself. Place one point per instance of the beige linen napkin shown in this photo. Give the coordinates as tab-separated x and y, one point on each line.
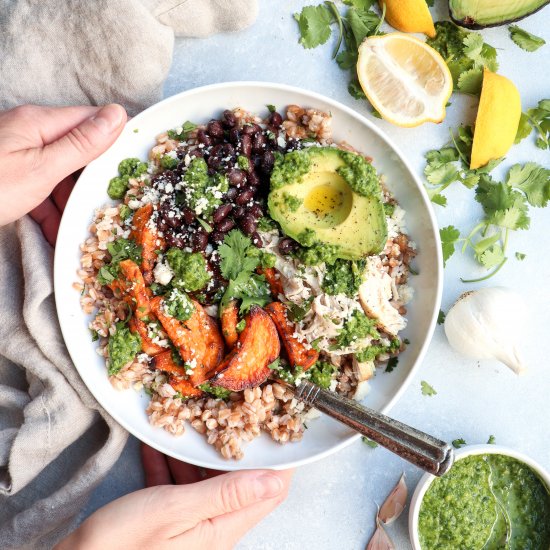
56	442
71	52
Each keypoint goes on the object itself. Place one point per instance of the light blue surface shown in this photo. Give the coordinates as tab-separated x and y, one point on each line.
332	503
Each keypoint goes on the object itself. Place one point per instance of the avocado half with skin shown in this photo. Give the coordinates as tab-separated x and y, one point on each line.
323	195
477	14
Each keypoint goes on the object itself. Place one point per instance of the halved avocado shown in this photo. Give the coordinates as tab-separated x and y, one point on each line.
329	196
477	14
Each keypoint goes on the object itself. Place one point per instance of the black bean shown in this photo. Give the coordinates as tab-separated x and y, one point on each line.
275	120
239	212
173	221
197	153
236	177
204	138
162	225
267	162
249	129
231	193
229	119
221	213
199	240
215	129
245	196
225	225
217	237
255	211
248	224
252	179
176	239
188	215
256	239
287	246
228	150
246	145
234	135
214	162
258	142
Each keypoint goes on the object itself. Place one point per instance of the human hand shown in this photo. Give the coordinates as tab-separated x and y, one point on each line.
40	147
197	515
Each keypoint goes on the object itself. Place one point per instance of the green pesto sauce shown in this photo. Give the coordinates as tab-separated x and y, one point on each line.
292	202
343	277
190	269
123	347
488	502
359	174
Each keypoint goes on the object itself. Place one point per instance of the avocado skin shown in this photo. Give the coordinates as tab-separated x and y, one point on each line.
456	7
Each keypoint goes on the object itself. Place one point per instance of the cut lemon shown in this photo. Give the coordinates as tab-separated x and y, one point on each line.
409	16
497	119
406	80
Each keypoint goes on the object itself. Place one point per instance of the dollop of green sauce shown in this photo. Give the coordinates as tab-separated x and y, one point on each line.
190	269
487	502
123	347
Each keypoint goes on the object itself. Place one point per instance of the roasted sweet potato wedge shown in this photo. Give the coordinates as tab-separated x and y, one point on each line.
273	278
148	239
165	362
184	387
214	347
149	347
131	286
298	353
187	336
229	319
246	366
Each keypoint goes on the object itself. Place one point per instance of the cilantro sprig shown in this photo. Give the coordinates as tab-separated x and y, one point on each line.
239	260
465	53
353	25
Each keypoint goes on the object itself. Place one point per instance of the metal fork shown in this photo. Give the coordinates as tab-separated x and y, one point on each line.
422	450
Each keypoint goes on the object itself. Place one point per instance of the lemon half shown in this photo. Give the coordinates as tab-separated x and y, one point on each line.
406	80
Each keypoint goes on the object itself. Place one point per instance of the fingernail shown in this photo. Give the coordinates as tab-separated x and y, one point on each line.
109	118
268	486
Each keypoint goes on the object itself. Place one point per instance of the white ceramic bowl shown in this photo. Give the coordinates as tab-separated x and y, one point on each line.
427	479
324	436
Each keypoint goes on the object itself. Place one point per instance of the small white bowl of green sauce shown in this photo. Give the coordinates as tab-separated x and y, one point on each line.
493	497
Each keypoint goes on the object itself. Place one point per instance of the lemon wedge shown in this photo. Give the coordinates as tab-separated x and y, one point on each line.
409	16
497	119
406	80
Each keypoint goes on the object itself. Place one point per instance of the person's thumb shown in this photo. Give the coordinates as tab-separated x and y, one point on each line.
232	492
82	144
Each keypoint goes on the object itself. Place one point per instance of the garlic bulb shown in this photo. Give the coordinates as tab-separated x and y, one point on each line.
488	324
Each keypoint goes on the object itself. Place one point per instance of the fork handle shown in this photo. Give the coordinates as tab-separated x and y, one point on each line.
422	450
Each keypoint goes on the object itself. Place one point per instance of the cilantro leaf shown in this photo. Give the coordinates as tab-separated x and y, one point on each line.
533	180
492	256
457	443
440	317
525	40
440	199
514	217
360	4
314	23
520	256
492	440
469	82
426	388
251	289
473	46
539	118
237	254
449	236
524	128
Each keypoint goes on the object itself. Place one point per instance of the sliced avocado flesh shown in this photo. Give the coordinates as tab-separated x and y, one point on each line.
476	14
317	200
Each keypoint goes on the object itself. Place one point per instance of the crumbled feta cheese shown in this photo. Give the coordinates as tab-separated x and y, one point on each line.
163	273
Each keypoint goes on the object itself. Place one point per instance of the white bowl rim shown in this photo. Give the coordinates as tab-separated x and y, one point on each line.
438	277
486	448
